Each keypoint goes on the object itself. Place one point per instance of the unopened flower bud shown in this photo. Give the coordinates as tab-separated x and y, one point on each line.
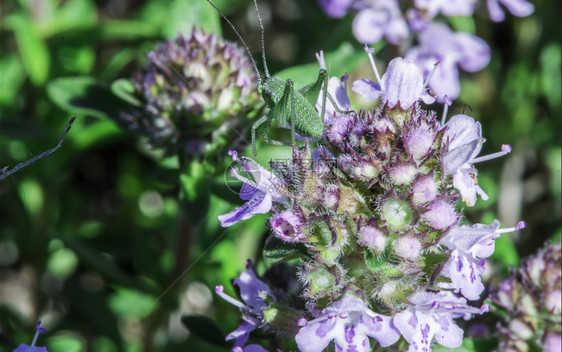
441	215
407	247
397	214
288	226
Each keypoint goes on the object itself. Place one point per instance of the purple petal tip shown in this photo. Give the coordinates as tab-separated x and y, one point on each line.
447	100
234	154
302	322
368	50
219	289
521	225
485	308
506	148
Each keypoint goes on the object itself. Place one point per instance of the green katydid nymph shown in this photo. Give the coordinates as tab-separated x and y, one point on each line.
286	104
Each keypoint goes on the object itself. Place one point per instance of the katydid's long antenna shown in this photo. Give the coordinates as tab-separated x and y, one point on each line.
242	40
266	70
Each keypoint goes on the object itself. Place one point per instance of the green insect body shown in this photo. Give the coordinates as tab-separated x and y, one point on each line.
293	107
287	105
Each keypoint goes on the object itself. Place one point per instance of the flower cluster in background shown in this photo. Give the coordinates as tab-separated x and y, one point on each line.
384	249
195	94
530	304
399	21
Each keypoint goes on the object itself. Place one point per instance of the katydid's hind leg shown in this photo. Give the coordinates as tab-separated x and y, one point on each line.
255	126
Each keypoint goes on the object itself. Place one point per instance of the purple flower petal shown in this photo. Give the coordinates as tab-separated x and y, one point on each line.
259	204
335	8
431	317
368	26
475	52
367	89
349	323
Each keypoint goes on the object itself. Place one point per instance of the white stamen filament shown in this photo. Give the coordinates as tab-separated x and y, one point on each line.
506	149
372	60
35	338
447	102
520	225
219	290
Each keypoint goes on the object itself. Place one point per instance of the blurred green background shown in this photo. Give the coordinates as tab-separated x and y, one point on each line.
92	240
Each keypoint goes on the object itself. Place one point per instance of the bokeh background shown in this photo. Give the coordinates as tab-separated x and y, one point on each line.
92	238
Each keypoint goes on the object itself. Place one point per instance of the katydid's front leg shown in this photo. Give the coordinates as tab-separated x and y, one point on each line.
312	91
255	126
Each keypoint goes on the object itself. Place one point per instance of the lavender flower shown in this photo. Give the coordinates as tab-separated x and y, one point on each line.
463	142
430	316
470	246
32	348
260	307
349	323
439	44
529	303
259	193
402	84
382	18
376	19
336	8
519	8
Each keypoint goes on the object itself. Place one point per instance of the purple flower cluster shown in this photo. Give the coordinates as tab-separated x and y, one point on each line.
375	209
396	23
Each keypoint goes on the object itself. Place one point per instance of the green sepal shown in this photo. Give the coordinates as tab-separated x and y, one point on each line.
380	266
275	250
195	192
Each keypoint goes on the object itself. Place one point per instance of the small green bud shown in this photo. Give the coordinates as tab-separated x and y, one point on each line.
397	214
321	281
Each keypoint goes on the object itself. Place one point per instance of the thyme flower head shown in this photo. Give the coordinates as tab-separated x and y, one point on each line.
373	215
195	93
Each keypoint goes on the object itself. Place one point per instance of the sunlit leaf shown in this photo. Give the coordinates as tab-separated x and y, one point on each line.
345	59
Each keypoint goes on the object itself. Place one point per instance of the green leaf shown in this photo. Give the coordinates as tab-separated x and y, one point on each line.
132	304
205	328
276	250
345	59
65	343
85	95
63	262
194	191
13	76
463	24
124	89
184	15
32	49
